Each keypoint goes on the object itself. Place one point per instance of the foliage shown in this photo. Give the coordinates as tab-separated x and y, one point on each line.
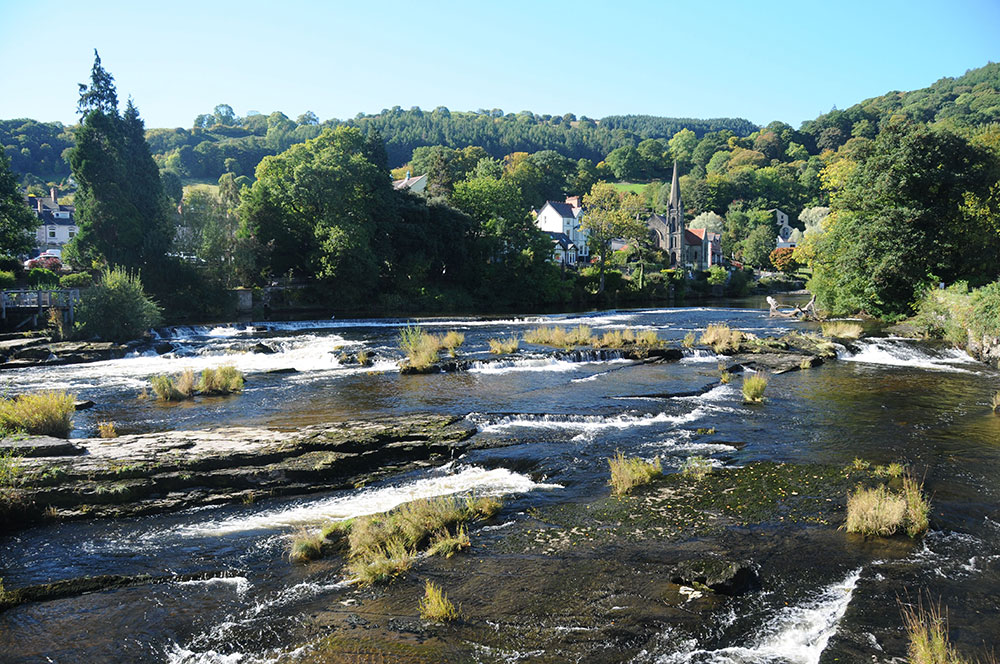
626	474
504	346
717	275
47	413
76	280
107	430
696	467
610	215
753	387
39	277
11	469
985	316
177	388
16	221
51	263
223	380
7	279
783	260
436	606
116	308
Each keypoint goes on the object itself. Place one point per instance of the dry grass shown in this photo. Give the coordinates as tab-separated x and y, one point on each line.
305	546
753	387
626	474
842	330
696	467
382	564
927	630
725	377
882	512
44	413
226	379
689	340
721	338
107	430
364	358
176	388
504	346
436	606
483	507
560	337
451	341
423	349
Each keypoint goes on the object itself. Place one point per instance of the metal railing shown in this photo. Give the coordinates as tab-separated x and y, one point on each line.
25	300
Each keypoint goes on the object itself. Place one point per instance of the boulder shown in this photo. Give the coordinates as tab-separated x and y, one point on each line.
725	577
262	348
40	446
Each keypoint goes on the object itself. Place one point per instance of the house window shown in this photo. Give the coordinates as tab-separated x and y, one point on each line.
72	233
52	232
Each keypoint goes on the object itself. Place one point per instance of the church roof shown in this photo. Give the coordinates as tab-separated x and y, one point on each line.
675	190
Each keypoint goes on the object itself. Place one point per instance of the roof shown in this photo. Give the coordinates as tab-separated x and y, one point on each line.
407	183
675	189
564	210
691	237
561	238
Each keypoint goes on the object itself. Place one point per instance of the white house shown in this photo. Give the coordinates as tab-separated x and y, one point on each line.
563	219
784	230
415	184
56	225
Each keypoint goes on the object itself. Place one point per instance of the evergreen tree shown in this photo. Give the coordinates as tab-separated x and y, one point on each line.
16	220
121	209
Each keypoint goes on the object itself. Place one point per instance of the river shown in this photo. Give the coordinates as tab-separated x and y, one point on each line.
554	422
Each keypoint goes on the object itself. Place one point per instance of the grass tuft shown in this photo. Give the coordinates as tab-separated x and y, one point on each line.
226	379
996	402
725	377
364	358
107	430
927	632
882	513
696	467
626	474
176	388
451	341
44	413
305	546
504	346
445	544
722	338
436	606
842	330
689	340
382	564
11	469
753	387
482	508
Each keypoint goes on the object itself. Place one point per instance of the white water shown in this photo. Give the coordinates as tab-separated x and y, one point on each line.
900	353
588	425
554	364
472	479
797	634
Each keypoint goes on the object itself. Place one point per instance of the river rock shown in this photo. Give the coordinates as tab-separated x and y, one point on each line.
40	446
262	348
725	577
163	347
83	405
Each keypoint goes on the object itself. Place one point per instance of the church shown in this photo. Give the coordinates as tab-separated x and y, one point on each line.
697	249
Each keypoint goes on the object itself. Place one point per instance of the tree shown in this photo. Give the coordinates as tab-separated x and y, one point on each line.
783	260
608	215
625	162
496	205
682	147
121	209
17	222
758	245
709	221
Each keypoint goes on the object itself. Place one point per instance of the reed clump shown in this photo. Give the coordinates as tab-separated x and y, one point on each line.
446	544
435	604
560	337
841	329
48	413
753	387
451	341
927	633
504	346
689	340
696	467
424	349
626	474
881	512
721	338
305	546
174	388
107	430
221	381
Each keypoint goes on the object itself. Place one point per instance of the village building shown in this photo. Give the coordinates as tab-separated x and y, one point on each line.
415	184
784	230
561	221
56	223
696	249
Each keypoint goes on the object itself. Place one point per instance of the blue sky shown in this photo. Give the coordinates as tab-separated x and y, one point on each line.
761	60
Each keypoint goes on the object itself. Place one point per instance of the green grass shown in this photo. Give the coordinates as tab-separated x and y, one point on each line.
223	380
44	413
633	187
696	467
436	606
446	544
11	469
753	387
382	564
305	546
174	388
927	634
626	474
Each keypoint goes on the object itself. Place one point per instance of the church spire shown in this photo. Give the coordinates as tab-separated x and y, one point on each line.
675	191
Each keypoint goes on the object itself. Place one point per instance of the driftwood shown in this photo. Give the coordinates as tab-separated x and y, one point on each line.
807	312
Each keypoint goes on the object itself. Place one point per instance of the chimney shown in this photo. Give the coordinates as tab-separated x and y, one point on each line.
55	196
38	205
407	175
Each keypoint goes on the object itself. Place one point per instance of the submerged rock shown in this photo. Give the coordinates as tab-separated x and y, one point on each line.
722	576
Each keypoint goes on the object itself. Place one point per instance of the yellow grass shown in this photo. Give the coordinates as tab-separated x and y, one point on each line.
725	377
177	388
721	338
47	413
305	546
107	430
560	337
753	387
504	346
842	330
626	474
435	604
689	340
223	380
875	511
918	508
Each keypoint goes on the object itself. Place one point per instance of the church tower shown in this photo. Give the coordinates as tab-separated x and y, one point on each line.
675	223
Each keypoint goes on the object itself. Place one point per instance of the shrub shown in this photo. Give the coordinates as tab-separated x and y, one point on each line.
45	413
985	316
716	275
11	264
753	387
107	430
10	468
226	379
783	260
76	280
436	606
626	474
7	279
721	338
696	467
842	330
305	546
177	388
116	308
504	346
945	314
51	263
40	277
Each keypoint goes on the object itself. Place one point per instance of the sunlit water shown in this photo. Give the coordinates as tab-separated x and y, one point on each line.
559	418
